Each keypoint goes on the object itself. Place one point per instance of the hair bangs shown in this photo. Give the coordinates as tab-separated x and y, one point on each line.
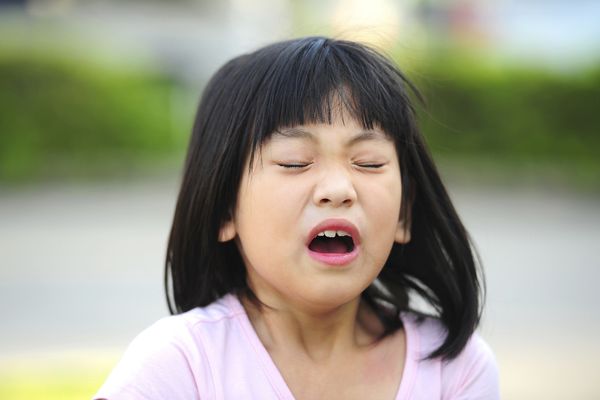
316	79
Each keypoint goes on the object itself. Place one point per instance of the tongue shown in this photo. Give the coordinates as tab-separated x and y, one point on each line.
329	246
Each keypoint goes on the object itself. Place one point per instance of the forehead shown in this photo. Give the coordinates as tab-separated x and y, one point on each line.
318	133
312	133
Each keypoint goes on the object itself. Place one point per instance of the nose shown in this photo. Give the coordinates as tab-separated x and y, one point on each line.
335	188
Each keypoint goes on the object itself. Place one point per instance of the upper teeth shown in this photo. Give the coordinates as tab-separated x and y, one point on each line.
331	234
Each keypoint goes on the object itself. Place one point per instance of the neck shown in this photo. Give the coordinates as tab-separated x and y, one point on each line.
319	334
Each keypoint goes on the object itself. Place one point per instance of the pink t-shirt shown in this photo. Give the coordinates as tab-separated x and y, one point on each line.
214	353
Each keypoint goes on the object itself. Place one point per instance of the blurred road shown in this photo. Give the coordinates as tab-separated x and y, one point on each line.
82	268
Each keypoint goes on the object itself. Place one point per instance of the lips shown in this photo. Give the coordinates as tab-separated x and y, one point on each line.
334	242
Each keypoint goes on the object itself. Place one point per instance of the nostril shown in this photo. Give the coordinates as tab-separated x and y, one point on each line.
345	202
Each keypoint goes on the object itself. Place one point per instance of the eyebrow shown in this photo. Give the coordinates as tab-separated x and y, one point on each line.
362	136
294	133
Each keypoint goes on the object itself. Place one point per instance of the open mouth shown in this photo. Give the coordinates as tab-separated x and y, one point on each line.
332	242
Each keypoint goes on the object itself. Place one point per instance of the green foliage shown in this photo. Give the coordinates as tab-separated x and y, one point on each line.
512	116
65	118
59	117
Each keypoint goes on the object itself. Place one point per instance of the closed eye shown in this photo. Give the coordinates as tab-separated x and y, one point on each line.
370	165
294	165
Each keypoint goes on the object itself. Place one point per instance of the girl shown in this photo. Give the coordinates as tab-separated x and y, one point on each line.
310	219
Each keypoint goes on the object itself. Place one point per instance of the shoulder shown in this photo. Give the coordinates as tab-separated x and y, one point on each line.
169	358
183	334
473	374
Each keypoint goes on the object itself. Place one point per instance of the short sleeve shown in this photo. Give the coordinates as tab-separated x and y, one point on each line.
156	365
473	375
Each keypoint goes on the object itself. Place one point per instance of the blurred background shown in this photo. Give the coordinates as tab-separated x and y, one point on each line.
97	100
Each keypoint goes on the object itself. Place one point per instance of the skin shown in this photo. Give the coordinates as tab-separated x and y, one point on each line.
316	329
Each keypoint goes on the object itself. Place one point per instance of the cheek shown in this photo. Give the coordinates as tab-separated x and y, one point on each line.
270	204
383	197
266	216
382	207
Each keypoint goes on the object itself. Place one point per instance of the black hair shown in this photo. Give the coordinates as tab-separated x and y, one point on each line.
299	82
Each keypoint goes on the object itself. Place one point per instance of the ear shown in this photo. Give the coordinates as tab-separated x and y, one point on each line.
227	231
403	231
405	223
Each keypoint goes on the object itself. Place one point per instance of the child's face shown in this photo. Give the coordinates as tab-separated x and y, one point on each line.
312	178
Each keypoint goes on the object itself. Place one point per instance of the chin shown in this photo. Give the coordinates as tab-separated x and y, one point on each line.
330	297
